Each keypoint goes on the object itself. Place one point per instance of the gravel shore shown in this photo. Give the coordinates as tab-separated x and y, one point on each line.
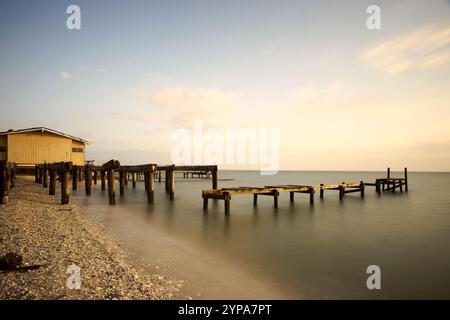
35	226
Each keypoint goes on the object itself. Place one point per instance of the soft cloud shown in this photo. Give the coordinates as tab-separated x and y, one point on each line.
141	116
65	75
312	93
183	105
181	98
423	48
330	99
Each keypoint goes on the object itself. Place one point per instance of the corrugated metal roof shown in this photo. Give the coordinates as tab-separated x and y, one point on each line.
42	129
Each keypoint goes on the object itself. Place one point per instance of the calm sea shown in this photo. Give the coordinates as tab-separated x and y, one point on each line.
296	251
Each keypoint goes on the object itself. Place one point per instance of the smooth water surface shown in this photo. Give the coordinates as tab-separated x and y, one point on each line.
296	251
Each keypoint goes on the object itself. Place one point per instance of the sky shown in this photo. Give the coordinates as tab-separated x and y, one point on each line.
341	96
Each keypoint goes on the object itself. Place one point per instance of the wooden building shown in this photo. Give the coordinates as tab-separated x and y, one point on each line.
27	147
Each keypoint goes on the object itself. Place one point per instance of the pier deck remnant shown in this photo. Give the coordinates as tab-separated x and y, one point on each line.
385	184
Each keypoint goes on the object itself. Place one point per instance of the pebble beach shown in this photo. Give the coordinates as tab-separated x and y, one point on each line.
35	226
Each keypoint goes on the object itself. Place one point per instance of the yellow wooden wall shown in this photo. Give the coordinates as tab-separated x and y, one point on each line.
39	147
3	143
77	157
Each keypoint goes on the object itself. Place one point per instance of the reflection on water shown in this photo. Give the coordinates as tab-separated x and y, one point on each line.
295	251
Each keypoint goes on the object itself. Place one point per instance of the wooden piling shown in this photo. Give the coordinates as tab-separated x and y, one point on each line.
275	199
227	200
362	186
321	191
341	192
45	177
125	178
3	195
52	188
88	180
291	196
311	195
13	176
109	168
150	186
103	179
64	183
146	182
36	173
205	203
111	192
214	178
95	177
122	182
166	178
172	182
255	199
388	173
80	172
133	179
75	178
406	179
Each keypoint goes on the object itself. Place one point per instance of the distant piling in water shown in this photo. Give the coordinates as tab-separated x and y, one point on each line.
108	177
385	184
151	172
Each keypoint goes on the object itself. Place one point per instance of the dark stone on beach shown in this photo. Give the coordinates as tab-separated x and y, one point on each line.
10	261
